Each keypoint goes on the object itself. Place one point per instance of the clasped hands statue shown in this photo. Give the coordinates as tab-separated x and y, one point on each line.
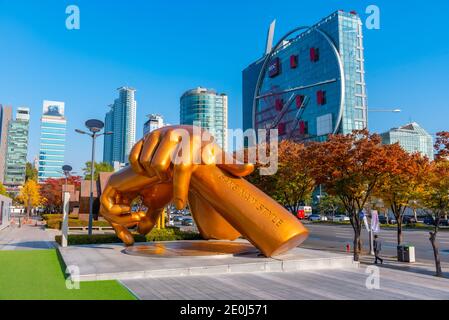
174	164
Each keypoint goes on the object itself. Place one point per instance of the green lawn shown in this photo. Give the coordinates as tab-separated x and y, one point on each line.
39	275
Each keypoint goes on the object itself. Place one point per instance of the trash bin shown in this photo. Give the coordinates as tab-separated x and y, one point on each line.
409	254
401	253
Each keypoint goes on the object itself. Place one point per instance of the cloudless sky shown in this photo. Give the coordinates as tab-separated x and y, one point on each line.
163	48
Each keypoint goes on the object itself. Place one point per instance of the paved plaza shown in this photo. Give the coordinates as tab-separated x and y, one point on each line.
340	284
300	274
110	262
27	237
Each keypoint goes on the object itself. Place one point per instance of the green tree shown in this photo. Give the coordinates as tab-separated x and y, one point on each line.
3	191
30	173
98	167
330	204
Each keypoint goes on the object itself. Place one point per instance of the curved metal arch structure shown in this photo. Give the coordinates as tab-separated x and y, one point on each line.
277	46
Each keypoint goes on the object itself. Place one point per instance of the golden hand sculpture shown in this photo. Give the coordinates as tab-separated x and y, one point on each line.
175	164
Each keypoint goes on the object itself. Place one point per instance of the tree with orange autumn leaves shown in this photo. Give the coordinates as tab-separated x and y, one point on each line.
402	182
350	167
51	190
293	184
435	195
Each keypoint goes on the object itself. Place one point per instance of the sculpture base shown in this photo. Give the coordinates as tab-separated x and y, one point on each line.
191	249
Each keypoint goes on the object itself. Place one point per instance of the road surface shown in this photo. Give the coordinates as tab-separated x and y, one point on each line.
335	237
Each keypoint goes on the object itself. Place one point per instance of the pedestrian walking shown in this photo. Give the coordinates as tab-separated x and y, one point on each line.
377	249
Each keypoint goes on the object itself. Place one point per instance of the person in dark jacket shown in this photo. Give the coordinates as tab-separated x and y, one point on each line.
377	249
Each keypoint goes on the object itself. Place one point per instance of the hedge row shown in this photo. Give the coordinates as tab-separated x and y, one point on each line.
80	239
57	223
168	234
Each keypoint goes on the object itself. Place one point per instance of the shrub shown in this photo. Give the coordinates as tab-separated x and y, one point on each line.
57	223
53	216
172	234
168	234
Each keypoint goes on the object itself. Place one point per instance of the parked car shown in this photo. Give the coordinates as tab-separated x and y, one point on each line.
187	222
178	219
383	220
408	220
444	223
317	217
429	221
340	218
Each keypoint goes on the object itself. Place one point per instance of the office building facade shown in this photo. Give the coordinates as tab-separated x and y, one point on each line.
154	122
208	109
412	138
17	150
121	120
52	141
313	84
5	118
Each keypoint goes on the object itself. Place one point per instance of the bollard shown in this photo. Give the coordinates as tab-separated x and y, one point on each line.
348	248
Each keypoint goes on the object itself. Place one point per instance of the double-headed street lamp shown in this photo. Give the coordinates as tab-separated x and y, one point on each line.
95	126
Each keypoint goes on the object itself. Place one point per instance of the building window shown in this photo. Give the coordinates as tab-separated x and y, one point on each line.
321	97
314	54
299	101
293	61
279	104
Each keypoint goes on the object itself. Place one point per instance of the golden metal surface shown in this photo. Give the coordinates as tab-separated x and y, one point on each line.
223	204
191	249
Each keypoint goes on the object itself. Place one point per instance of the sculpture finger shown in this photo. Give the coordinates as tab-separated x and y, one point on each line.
123	234
181	183
108	201
134	158
164	154
147	223
148	149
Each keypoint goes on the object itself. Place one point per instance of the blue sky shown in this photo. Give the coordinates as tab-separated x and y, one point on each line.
163	48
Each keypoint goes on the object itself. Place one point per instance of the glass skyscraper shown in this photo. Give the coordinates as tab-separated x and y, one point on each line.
17	149
208	109
5	118
314	83
121	120
412	138
53	141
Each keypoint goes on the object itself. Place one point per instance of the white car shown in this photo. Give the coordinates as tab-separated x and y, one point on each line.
317	217
340	218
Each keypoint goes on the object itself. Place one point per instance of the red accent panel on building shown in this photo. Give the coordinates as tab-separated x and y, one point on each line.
314	54
281	129
303	127
279	104
293	61
321	97
299	101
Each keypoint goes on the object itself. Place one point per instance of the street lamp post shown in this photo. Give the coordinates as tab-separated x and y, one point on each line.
66	207
94	126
